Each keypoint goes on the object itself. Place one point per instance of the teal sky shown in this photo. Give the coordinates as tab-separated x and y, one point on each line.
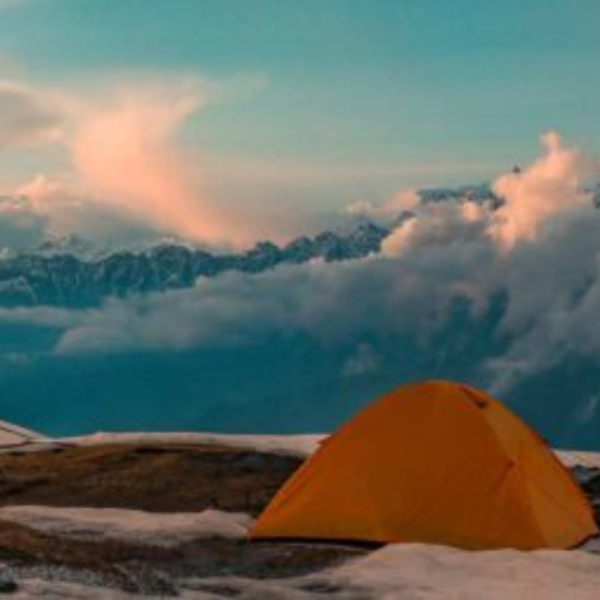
386	93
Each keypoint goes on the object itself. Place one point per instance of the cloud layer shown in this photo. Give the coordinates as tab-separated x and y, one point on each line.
445	256
443	271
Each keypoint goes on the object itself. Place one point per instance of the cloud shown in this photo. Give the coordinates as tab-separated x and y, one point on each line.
124	154
126	151
59	318
435	224
446	255
363	361
51	208
409	294
553	287
526	292
551	186
26	118
402	202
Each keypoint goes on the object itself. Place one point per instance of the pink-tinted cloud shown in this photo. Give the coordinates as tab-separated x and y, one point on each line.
551	185
122	159
126	152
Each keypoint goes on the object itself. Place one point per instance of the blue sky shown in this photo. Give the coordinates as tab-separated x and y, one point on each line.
333	100
224	122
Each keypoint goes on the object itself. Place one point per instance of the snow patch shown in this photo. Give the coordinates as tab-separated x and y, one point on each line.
133	526
424	572
293	445
435	572
575	458
59	590
407	571
301	445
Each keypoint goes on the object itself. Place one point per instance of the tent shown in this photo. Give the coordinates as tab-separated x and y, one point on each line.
434	462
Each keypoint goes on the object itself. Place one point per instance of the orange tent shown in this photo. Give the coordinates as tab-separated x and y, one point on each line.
433	462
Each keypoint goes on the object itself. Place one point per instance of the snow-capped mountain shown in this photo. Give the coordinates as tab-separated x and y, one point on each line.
70	244
482	194
70	272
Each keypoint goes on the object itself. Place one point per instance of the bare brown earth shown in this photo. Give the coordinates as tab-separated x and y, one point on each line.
160	478
154	478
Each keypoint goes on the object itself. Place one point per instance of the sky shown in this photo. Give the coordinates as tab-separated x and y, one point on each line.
224	122
264	118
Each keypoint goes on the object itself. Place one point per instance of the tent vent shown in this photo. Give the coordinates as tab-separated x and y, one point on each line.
476	398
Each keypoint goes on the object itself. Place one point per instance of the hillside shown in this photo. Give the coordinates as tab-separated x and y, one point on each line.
176	526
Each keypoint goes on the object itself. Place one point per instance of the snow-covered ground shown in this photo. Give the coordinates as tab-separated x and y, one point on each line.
423	572
406	571
134	526
433	572
399	572
438	572
301	445
576	458
294	445
61	590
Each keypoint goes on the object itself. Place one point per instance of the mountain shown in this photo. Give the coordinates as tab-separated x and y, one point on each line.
69	272
482	194
280	379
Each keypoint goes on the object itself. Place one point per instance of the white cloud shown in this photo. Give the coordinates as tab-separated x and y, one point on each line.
402	202
407	294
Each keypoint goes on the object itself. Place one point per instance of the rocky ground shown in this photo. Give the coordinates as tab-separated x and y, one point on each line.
158	478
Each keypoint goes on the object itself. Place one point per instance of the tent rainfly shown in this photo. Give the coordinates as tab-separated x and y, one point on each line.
434	462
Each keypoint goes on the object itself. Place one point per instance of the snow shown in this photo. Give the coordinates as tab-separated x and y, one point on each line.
407	571
576	458
424	572
296	445
62	590
302	445
435	572
410	572
15	436
59	590
133	526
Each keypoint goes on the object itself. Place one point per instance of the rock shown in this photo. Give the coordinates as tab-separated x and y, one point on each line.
7	585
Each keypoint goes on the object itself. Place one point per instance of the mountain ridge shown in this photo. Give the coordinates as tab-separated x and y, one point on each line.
56	274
